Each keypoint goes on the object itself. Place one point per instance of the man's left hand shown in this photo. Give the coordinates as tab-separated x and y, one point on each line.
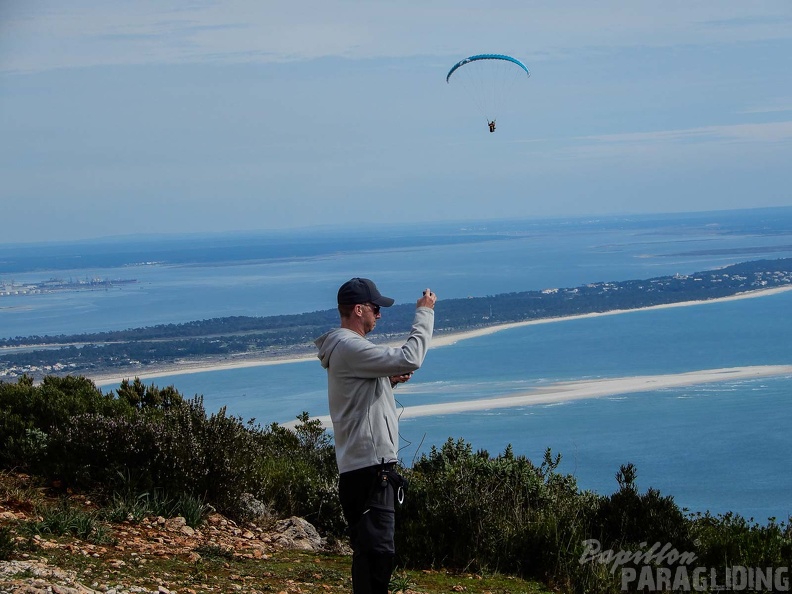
399	379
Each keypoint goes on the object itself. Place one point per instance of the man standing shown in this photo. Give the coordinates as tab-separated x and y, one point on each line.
360	378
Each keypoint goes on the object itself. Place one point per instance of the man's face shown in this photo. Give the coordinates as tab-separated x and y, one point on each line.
371	313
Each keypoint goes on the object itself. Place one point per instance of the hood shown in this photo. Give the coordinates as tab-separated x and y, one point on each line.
327	343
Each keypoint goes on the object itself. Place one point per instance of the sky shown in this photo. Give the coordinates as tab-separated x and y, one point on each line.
122	117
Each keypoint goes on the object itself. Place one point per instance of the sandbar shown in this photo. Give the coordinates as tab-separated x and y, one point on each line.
439	340
578	390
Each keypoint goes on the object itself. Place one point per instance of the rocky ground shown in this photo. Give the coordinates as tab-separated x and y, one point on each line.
155	543
161	555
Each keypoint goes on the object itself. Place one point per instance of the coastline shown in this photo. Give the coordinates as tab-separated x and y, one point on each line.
448	339
191	367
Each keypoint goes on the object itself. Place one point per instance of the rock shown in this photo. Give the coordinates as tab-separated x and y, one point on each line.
56	589
253	510
296	533
175	524
44	578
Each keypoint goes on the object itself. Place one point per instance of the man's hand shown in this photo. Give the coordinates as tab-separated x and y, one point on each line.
427	300
399	379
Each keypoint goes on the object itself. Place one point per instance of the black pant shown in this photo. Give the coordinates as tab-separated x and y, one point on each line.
367	499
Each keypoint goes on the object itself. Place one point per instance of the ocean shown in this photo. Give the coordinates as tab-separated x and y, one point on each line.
715	447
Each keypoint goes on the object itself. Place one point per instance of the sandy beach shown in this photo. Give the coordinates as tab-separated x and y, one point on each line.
189	367
438	341
444	340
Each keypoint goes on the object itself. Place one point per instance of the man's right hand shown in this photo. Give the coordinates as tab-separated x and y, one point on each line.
427	300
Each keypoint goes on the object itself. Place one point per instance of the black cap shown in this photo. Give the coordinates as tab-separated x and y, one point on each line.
362	290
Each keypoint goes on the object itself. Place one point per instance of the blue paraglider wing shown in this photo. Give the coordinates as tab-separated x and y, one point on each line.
486	57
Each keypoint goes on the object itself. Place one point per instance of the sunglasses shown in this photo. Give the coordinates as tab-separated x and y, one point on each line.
375	309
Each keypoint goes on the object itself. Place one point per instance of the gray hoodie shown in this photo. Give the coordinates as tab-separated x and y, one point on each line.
362	407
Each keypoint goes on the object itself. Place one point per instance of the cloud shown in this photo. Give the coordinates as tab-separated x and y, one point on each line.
750	21
777	106
47	34
745	143
767	132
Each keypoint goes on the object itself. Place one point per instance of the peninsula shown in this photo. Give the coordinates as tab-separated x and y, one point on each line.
242	341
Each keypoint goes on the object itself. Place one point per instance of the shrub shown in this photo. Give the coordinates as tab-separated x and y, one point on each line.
471	511
299	474
29	414
153	441
143	397
149	451
444	521
628	518
177	450
96	451
729	540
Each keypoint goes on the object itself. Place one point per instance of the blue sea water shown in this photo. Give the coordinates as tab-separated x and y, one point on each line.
193	278
718	447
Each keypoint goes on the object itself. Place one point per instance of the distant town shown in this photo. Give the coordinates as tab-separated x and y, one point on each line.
55	285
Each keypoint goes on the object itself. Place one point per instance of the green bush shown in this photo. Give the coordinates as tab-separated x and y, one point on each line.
300	476
95	451
148	451
181	450
150	397
471	511
28	414
444	522
728	540
147	440
628	518
177	450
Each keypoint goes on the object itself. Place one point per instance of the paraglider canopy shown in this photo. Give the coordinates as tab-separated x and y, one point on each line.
487	57
488	79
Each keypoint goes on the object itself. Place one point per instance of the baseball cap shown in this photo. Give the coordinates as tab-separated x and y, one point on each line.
362	290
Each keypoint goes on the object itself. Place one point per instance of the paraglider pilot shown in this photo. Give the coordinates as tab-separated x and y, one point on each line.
491	125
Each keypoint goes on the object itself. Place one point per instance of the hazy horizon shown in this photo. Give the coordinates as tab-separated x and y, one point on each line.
371	230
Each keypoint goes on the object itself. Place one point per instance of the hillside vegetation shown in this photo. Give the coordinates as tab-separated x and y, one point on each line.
466	510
